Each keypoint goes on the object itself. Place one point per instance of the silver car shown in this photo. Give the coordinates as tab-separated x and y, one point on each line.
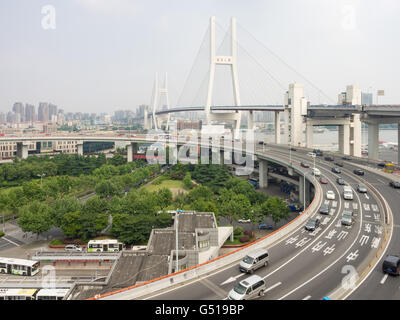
347	218
250	288
254	260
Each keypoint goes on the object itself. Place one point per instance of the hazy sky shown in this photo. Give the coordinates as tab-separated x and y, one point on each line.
102	54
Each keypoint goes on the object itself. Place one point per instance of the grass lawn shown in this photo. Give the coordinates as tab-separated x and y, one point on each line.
173	185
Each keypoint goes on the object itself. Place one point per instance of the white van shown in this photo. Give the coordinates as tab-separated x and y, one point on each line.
347	193
249	288
254	260
316	172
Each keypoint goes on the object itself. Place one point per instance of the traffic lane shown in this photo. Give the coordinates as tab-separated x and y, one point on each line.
376	287
368	201
361	252
375	278
5	244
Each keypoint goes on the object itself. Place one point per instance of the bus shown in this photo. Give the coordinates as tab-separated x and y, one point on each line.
19	266
106	245
51	294
18	294
389	167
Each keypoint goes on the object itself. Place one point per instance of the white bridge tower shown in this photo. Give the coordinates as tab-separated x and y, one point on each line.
156	98
230	61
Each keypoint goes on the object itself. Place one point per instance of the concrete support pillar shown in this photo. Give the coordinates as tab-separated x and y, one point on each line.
307	193
344	139
309	135
129	154
355	136
250	121
22	150
263	174
79	146
373	141
301	190
277	127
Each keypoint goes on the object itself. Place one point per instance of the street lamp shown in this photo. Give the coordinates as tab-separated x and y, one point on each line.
41	177
4	228
176	238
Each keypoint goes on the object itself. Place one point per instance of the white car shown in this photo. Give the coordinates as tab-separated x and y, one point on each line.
244	220
330	195
316	172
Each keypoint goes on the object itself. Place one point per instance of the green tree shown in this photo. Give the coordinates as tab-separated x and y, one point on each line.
276	208
35	217
187	181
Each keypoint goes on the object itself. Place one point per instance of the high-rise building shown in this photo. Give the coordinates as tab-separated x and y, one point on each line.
30	113
367	99
52	111
19	110
43	112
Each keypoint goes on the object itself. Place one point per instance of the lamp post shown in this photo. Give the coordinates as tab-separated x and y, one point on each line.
41	177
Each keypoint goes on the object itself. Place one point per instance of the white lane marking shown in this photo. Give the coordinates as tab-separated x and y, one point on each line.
326	202
307	298
366	206
346	205
355	206
231	279
366	196
11	241
384	278
374	207
273	287
334	204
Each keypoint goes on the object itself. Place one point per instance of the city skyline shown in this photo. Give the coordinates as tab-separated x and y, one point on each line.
102	55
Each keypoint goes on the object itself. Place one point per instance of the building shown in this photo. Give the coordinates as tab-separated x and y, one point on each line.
367	99
199	240
30	113
19	111
43	112
182	125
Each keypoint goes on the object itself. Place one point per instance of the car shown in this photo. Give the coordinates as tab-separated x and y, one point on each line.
362	188
323	180
336	170
347	218
330	195
339	164
394	184
324	209
254	260
318	152
382	164
340	181
316	172
304	164
293	149
391	265
358	172
73	247
328	158
244	220
311	154
252	287
312	224
264	226
346	158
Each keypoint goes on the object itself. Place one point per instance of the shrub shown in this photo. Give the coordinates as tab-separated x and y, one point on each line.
244	239
249	233
2	234
237	231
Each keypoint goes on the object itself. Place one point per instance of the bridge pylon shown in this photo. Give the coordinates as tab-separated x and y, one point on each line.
230	61
157	92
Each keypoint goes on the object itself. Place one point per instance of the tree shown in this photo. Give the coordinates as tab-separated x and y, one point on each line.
276	208
187	181
35	217
71	224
